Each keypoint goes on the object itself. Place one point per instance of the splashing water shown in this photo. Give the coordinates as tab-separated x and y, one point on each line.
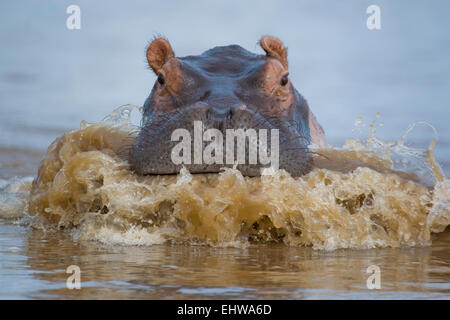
364	195
402	157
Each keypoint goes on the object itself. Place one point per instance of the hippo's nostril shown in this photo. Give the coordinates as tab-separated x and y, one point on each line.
205	95
230	114
207	114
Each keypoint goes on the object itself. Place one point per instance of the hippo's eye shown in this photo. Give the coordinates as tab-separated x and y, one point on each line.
161	79
284	80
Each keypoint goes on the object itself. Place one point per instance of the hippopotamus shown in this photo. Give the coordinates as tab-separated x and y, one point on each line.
226	87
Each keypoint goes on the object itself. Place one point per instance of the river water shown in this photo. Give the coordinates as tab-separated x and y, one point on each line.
352	216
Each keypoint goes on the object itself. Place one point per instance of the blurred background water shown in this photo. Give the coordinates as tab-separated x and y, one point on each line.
51	78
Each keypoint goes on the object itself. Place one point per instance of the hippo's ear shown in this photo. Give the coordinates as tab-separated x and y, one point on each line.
158	53
274	48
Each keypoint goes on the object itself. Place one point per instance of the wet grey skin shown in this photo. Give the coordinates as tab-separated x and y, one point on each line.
225	88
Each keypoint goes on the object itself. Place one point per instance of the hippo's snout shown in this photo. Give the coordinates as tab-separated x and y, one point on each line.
227	107
205	141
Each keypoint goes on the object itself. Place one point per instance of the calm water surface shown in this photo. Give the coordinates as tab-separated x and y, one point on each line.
33	265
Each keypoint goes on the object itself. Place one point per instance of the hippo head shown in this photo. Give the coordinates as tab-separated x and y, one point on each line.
224	88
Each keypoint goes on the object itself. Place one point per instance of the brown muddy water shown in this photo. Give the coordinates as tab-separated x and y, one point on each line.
34	265
375	198
225	235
